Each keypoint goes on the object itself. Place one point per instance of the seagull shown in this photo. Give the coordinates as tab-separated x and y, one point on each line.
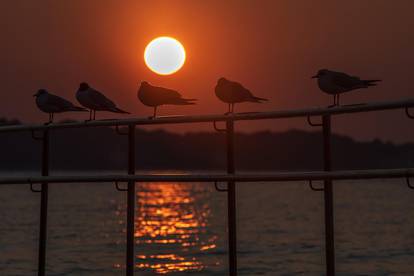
95	101
232	92
155	96
51	104
335	83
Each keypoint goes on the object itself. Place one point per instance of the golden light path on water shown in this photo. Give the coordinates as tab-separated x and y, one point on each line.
171	227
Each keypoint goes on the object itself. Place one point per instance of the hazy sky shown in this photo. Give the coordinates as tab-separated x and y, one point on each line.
272	47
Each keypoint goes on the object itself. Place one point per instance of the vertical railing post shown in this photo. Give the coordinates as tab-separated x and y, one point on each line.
328	198
231	199
43	205
130	258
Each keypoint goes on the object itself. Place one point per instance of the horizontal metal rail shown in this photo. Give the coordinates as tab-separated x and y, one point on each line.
266	177
344	109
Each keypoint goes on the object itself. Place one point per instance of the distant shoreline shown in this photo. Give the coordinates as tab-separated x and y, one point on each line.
102	149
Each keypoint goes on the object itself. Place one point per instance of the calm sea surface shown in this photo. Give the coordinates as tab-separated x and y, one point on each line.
181	229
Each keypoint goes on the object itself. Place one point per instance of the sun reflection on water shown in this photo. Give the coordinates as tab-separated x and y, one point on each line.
171	227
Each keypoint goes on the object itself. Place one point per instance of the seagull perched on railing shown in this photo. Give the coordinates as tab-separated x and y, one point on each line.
155	96
95	101
336	83
52	104
232	92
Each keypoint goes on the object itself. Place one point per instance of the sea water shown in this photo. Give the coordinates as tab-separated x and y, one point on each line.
181	229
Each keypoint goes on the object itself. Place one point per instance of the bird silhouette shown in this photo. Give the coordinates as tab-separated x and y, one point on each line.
155	96
52	104
232	92
336	83
95	101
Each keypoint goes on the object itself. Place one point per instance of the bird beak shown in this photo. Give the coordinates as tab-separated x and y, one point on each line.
315	77
34	95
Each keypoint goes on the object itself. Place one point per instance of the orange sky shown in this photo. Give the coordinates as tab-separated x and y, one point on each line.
272	47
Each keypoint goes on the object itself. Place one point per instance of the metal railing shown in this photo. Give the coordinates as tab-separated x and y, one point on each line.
319	111
245	177
231	177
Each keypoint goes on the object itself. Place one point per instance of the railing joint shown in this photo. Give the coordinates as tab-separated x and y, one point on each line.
32	188
407	112
119	188
39	138
408	183
312	123
217	128
119	132
313	188
218	189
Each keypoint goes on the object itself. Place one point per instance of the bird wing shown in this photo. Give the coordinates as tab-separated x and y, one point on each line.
232	92
100	99
164	94
58	102
239	93
242	90
345	81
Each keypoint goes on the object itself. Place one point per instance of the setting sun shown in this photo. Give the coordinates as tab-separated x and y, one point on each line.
164	55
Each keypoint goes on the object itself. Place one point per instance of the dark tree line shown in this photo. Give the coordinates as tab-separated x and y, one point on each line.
102	148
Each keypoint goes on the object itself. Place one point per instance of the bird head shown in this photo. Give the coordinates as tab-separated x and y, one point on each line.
321	73
144	85
40	92
83	86
221	80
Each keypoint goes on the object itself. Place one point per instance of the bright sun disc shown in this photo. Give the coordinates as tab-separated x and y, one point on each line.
164	55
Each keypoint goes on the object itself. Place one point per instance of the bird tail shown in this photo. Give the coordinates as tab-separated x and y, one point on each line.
370	82
118	110
184	101
259	100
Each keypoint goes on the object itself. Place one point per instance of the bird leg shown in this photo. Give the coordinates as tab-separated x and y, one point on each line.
337	99
154	115
94	114
50	119
334	103
90	116
232	108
